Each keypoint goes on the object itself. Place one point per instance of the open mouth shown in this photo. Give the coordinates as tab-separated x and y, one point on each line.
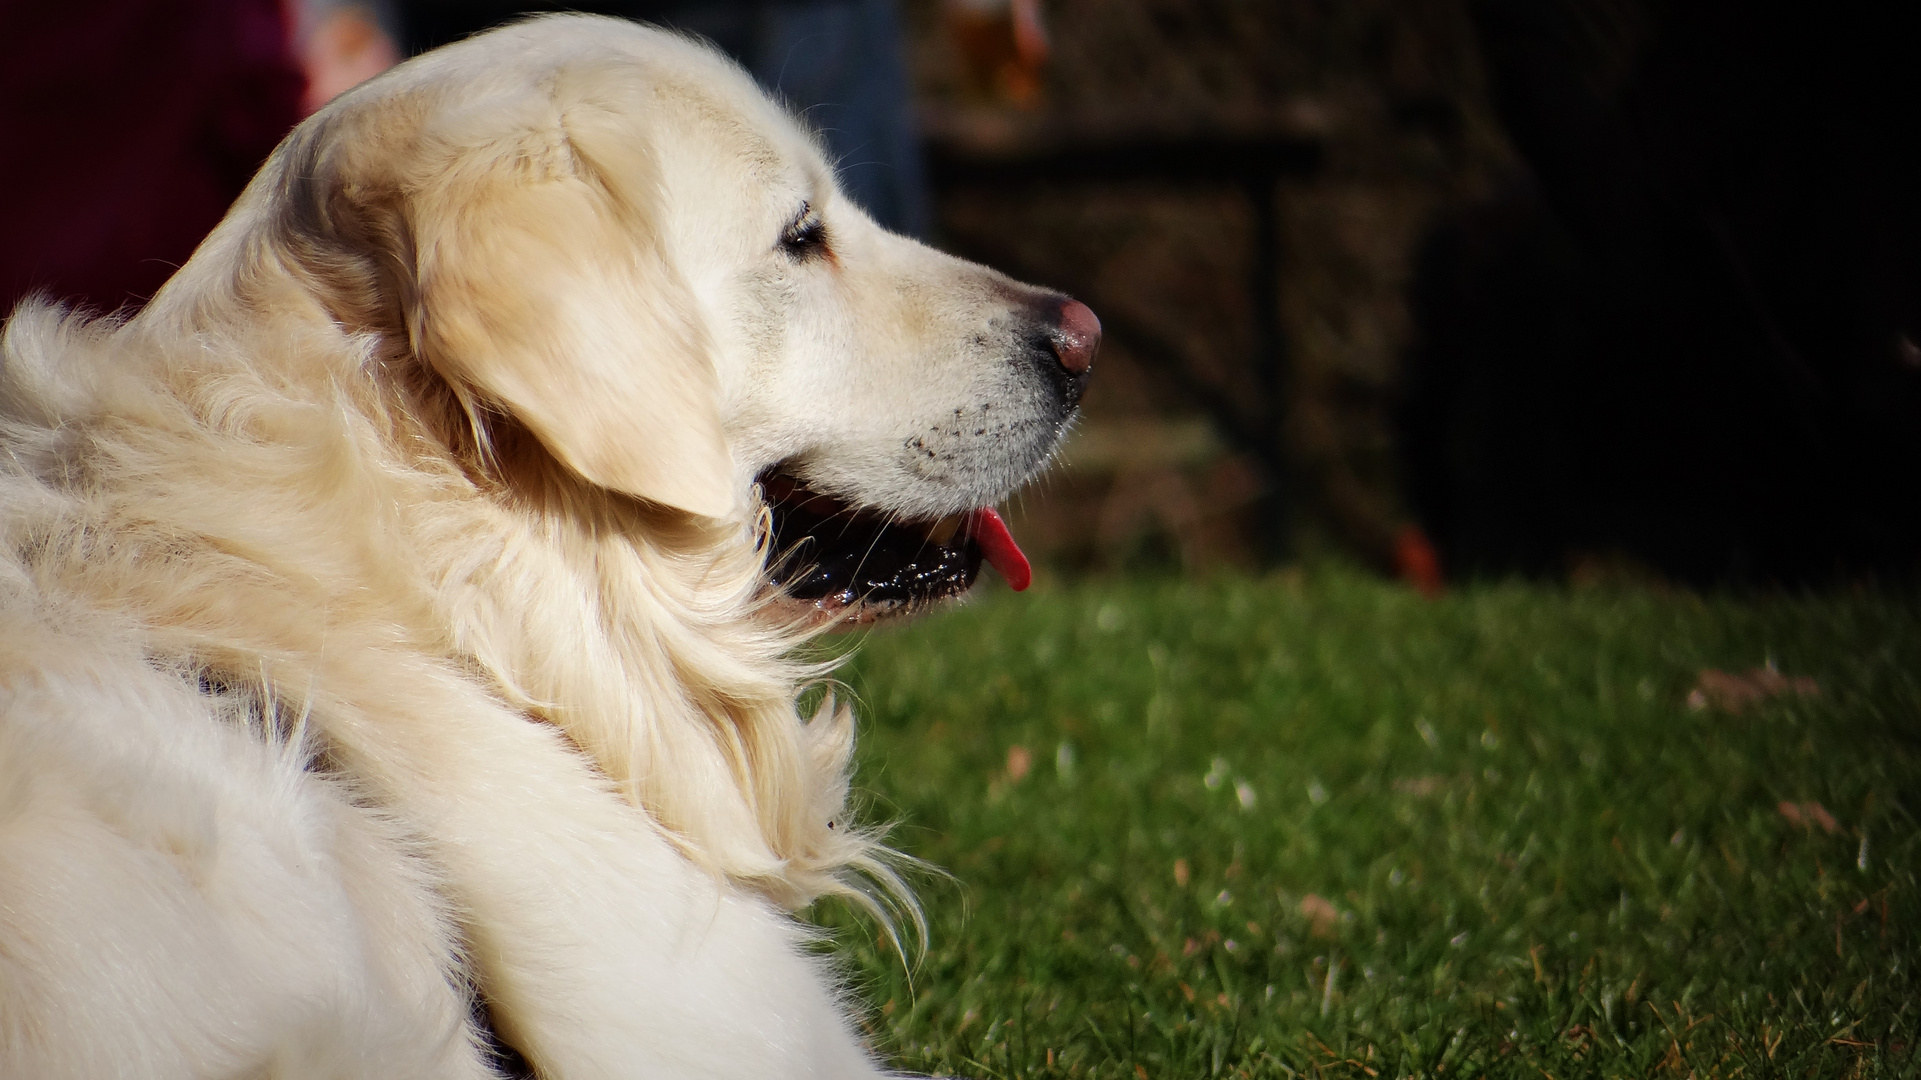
852	564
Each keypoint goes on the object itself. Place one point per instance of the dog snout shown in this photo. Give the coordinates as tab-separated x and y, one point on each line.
1068	336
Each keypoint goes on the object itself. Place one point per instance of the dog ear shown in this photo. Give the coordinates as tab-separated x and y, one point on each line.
543	287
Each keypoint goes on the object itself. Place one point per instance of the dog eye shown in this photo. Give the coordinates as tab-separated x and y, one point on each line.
806	236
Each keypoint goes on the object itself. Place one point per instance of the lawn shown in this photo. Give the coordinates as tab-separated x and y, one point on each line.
1315	824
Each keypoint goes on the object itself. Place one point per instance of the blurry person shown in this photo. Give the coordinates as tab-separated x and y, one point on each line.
341	44
1004	44
840	64
130	125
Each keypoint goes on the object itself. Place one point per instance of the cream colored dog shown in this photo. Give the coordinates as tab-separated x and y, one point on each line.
393	638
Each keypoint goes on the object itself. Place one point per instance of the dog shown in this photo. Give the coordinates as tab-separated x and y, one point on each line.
398	614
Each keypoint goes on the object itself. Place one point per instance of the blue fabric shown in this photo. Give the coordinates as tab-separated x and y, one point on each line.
841	66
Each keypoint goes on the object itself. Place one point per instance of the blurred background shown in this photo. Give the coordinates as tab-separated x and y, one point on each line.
1571	289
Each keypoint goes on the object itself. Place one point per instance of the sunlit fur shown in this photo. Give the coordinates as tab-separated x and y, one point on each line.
340	678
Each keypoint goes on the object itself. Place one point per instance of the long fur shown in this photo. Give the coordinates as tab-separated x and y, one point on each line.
300	499
362	669
265	511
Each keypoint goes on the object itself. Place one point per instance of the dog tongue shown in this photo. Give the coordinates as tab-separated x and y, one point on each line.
999	549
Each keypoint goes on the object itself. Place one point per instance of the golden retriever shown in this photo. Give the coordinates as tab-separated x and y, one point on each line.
395	640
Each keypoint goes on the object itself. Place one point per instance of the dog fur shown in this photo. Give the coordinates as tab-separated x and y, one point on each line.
384	620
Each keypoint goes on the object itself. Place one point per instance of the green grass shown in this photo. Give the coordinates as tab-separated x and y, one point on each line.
1321	826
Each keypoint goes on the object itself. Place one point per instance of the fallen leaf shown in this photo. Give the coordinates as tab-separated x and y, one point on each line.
1819	814
1733	692
1019	760
1322	915
1417	562
1180	872
1808	815
1421	785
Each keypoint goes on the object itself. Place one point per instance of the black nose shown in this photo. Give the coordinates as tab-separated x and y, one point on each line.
1073	336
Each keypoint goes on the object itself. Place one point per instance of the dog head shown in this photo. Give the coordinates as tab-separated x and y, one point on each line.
609	235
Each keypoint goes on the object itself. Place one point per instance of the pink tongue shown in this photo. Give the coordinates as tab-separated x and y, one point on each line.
999	549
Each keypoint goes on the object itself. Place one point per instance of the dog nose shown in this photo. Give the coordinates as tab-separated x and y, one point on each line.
1076	337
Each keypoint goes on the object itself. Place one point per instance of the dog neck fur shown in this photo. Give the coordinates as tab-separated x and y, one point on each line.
335	516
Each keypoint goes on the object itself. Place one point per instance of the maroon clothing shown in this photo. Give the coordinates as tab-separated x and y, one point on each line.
128	128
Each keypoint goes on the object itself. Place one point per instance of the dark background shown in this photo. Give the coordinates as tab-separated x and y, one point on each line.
1568	286
1562	288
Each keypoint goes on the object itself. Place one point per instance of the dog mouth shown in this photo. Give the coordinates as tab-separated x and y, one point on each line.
841	563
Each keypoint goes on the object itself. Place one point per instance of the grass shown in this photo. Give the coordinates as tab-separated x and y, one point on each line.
1320	825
